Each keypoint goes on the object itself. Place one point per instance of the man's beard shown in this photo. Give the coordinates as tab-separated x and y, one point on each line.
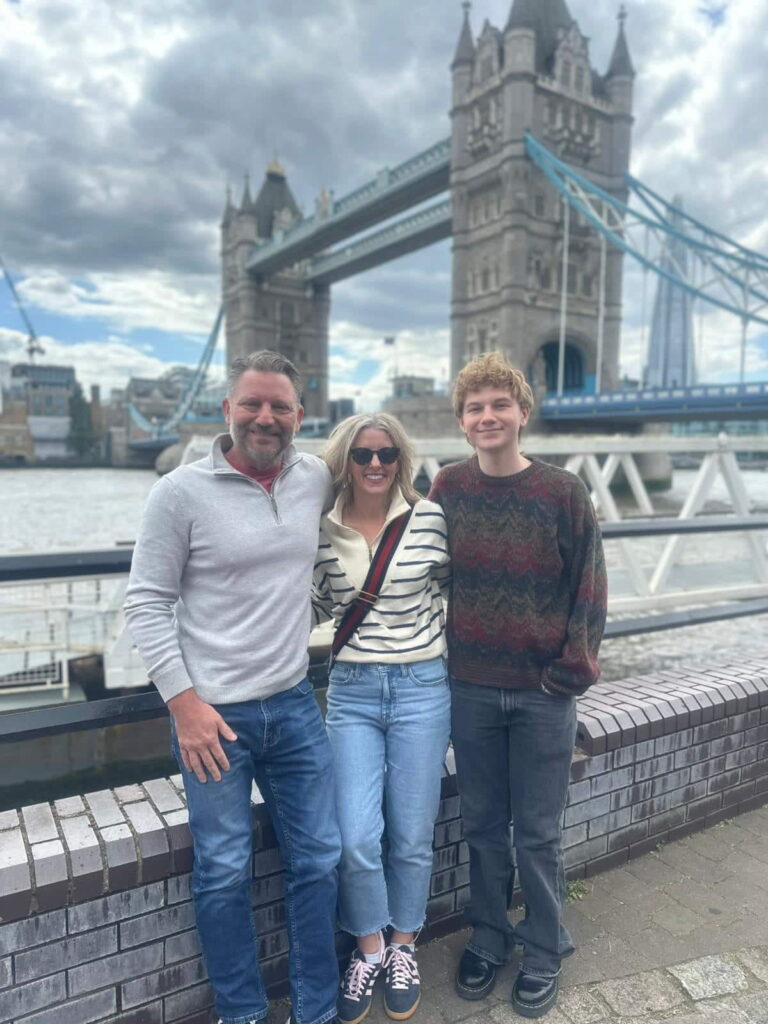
258	457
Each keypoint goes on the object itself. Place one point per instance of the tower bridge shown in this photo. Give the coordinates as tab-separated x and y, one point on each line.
533	187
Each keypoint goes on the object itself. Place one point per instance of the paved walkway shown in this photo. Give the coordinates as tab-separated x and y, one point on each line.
681	934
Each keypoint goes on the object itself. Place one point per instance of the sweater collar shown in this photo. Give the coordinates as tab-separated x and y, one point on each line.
397	506
221	467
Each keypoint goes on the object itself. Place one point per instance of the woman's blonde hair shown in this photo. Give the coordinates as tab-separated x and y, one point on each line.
342	441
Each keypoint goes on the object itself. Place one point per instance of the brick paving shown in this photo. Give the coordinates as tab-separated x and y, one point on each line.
680	934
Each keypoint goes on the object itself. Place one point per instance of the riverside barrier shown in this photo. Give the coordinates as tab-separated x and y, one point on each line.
97	920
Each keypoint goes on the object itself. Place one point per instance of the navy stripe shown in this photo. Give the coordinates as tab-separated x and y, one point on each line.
412	579
400	597
425	626
400	650
398	611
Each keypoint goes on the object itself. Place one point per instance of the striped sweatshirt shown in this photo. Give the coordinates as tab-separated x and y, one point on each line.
408	621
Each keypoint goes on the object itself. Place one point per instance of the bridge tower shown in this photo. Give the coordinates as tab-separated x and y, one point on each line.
509	223
285	312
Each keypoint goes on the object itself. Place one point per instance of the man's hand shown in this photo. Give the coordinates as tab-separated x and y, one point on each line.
198	727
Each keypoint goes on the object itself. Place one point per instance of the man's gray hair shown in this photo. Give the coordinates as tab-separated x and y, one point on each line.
264	361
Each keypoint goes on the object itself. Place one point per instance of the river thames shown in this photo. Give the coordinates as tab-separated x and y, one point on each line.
45	510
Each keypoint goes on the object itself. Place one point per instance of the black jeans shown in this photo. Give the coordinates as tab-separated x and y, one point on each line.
513	753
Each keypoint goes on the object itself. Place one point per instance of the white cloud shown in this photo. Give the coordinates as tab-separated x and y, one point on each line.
150	300
109	364
121	123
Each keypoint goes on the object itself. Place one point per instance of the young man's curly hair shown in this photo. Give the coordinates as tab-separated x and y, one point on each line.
491	370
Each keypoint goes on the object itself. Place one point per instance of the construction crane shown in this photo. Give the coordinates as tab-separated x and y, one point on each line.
33	342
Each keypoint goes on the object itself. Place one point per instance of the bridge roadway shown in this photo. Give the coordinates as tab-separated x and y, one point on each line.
393	190
623	408
661	405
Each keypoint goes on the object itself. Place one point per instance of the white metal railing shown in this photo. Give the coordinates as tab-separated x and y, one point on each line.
44	624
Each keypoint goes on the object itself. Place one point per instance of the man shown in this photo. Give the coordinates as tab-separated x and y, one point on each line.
218	606
525	619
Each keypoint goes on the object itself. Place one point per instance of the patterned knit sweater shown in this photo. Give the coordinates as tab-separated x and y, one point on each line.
528	596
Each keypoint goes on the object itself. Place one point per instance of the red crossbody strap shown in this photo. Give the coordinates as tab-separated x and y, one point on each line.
369	592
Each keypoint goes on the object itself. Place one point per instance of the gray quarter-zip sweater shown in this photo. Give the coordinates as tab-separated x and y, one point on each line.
219	592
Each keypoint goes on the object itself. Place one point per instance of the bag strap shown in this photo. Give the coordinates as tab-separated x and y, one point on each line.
368	594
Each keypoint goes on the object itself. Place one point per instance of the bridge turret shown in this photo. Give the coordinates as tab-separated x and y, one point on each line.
536	76
229	209
620	76
246	203
282	312
461	73
465	49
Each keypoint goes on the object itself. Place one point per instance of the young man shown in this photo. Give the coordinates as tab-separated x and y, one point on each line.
218	606
525	619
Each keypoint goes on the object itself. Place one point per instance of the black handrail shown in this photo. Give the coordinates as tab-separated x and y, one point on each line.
117	561
64	718
97	714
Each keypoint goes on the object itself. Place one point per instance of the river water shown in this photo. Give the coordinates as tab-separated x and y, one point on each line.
68	509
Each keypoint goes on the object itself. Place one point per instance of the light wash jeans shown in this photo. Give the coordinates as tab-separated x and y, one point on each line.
513	752
281	743
389	727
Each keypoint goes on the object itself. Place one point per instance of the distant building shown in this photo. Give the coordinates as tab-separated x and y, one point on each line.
422	411
671	359
46	391
157	398
340	408
16	445
406	386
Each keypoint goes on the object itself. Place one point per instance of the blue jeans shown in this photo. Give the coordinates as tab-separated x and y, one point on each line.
513	757
281	743
389	727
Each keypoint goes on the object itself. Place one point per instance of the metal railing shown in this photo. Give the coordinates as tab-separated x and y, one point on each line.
65	718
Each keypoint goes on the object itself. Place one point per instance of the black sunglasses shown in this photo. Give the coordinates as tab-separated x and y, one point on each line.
362	456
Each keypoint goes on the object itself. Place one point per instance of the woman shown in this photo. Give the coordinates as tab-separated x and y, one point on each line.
388	700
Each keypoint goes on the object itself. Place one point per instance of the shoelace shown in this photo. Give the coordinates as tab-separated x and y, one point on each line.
357	977
402	967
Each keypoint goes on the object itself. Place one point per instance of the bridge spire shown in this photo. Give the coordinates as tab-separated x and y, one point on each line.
465	50
621	62
246	203
229	209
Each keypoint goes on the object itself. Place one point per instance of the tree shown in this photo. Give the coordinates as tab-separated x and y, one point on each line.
81	439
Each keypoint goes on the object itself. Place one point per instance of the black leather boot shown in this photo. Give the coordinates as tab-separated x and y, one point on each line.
475	977
533	996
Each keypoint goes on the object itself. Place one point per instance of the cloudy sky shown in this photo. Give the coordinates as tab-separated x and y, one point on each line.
122	124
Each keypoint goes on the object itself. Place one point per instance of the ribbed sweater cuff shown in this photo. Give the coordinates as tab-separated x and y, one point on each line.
172	681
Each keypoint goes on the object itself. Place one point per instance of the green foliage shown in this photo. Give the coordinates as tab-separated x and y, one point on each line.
576	890
82	439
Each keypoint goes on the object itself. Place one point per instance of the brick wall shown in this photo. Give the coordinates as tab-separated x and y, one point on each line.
94	889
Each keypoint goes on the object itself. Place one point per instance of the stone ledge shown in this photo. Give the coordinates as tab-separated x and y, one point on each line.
661	756
648	708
